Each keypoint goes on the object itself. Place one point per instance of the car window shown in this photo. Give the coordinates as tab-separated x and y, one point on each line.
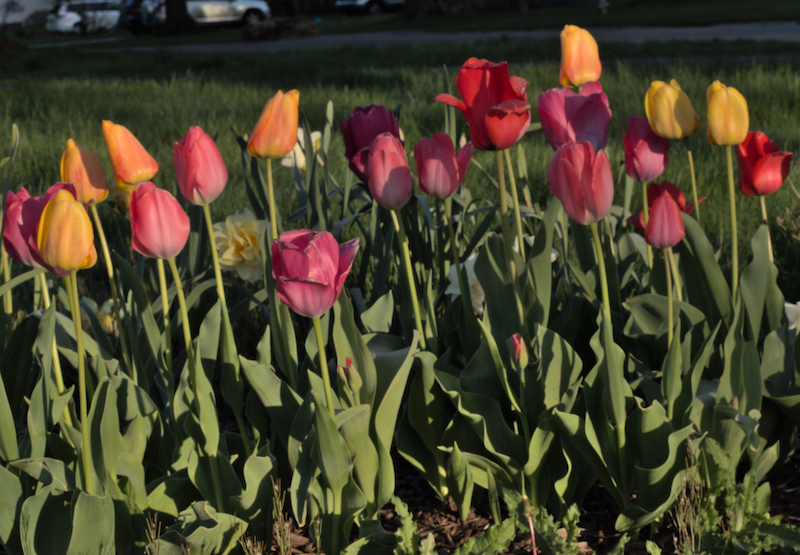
76	8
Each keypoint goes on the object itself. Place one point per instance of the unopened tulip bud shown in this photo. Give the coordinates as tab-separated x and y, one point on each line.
728	118
275	133
82	168
389	174
580	59
66	236
670	111
132	164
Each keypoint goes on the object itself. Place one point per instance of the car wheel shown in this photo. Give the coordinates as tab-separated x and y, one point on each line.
253	17
375	8
80	28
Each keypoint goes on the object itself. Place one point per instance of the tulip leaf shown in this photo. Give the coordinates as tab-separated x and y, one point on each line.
350	345
45	522
540	263
254	505
17	280
332	455
200	530
10	508
92	525
8	432
104	436
354	424
171	494
278	398
460	482
378	318
753	281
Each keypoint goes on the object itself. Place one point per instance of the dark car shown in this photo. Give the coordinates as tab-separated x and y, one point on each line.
130	16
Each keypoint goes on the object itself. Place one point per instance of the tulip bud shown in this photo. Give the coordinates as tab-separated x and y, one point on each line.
131	162
645	152
82	168
665	226
360	130
389	174
670	111
159	226
762	166
519	351
275	133
199	168
66	237
570	117
582	181
728	119
580	59
350	376
439	170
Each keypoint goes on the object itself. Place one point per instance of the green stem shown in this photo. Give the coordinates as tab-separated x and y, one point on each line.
71	282
512	267
734	235
466	294
601	265
162	280
323	366
646	212
675	274
59	377
412	286
271	193
766	222
512	180
688	146
8	305
669	297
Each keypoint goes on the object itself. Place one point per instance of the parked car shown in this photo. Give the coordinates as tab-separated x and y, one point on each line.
130	16
82	16
368	6
207	12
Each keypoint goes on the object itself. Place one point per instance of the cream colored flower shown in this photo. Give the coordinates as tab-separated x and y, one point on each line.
793	316
121	196
475	290
297	156
105	315
238	241
529	240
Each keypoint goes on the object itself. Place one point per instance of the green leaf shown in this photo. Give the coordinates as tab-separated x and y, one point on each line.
200	530
17	280
10	508
354	424
333	456
754	278
46	523
171	494
494	540
539	259
254	505
104	436
378	317
350	345
460	482
50	472
92	525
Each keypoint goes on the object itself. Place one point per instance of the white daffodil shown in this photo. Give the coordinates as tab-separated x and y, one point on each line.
475	290
529	239
793	315
238	241
297	157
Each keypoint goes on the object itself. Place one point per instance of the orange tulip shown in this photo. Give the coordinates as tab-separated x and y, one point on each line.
580	59
82	168
670	111
66	237
131	162
275	133
728	119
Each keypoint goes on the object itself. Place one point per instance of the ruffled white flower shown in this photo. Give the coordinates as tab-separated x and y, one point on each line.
297	157
238	241
529	240
475	290
793	316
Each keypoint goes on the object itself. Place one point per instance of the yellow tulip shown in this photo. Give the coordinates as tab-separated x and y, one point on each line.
728	119
66	237
580	59
275	133
82	168
670	111
131	162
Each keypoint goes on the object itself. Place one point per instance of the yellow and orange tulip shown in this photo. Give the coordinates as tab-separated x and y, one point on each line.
580	59
66	237
82	168
728	118
669	111
131	162
275	133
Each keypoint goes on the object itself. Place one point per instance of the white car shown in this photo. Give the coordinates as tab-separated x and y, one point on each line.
204	12
368	6
82	16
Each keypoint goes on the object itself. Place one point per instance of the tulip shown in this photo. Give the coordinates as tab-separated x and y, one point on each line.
360	130
728	119
655	190
82	168
665	227
645	152
159	226
793	316
569	117
762	166
476	294
439	169
582	181
275	133
131	162
389	174
580	60
670	111
297	158
310	269
65	238
199	168
495	105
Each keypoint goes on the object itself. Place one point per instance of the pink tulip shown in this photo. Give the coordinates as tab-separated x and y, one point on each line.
389	175
569	117
582	181
159	226
439	170
360	130
762	166
654	190
665	226
199	168
310	269
645	152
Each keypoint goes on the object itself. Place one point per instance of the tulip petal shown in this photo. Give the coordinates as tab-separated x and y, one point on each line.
770	172
507	122
665	228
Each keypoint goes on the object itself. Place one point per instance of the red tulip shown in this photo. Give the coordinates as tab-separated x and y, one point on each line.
582	181
762	167
665	227
654	190
439	170
159	226
199	168
570	117
389	175
495	105
360	130
310	269
645	152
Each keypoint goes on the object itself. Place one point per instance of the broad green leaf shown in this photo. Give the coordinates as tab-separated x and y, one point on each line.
92	525
539	260
753	281
170	495
378	317
10	508
278	397
254	505
355	427
17	280
46	523
201	530
50	472
350	345
333	456
104	436
460	482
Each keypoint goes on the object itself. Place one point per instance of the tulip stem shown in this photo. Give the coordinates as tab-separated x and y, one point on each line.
466	294
646	212
59	377
675	274
323	366
412	287
601	265
667	257
273	222
512	267
766	222
8	305
512	181
734	236
71	282
162	280
688	146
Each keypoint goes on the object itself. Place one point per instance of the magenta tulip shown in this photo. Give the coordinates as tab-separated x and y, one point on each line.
762	166
654	190
569	117
199	168
389	175
159	226
360	130
582	181
665	226
310	269
439	169
645	152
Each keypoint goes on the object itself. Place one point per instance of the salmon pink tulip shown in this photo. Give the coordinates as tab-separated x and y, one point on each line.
310	269
132	164
275	133
159	226
762	166
495	104
582	181
580	58
439	169
360	130
199	168
570	117
82	168
389	174
655	190
66	238
645	152
665	226
728	118
670	111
